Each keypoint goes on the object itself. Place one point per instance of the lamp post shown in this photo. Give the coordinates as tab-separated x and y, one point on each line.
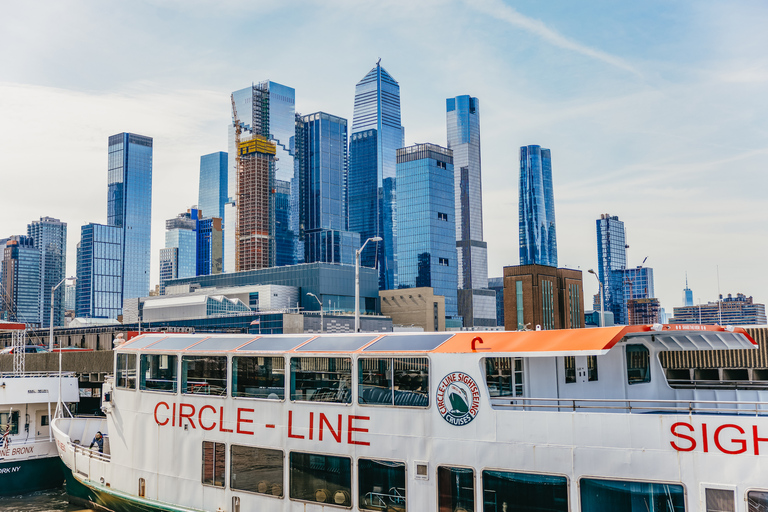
602	298
50	339
357	279
321	309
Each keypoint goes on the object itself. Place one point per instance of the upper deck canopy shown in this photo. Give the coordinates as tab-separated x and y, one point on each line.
565	342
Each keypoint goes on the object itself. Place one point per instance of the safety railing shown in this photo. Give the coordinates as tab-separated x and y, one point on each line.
26	375
643	406
717	384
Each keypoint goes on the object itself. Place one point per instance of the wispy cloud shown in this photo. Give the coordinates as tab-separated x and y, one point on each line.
501	11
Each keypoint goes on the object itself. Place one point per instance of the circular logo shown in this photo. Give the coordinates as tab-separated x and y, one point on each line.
458	398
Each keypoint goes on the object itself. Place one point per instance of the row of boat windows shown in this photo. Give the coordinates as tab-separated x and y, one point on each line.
381	381
381	485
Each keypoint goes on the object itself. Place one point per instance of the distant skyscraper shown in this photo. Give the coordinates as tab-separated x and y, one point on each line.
477	304
538	238
687	293
427	230
129	207
213	191
50	238
99	288
20	277
209	246
637	285
192	247
497	284
267	109
612	259
376	136
321	142
255	217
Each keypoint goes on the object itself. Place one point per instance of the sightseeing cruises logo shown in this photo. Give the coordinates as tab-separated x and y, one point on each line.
458	398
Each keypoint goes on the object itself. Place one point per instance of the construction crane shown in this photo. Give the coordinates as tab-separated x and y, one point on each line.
238	131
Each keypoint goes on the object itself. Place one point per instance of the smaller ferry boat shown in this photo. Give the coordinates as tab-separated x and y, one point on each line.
29	460
556	421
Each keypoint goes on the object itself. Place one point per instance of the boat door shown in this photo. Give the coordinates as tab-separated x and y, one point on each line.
581	369
42	424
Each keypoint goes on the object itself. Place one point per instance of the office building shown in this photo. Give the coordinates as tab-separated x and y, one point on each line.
646	311
129	207
255	218
179	257
414	307
321	154
612	260
209	245
497	284
99	288
426	227
376	135
20	278
477	304
687	293
538	236
213	191
267	110
739	310
50	238
542	296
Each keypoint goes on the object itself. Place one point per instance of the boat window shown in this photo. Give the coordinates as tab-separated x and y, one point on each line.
504	376
381	484
402	382
455	489
591	368
638	364
214	463
204	375
321	478
510	492
570	369
158	372
258	377
720	500
256	470
126	371
757	501
625	496
9	422
321	379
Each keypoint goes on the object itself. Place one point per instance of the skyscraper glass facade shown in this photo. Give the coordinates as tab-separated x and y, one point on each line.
50	238
129	207
612	259
636	283
20	277
209	246
322	156
99	272
427	229
538	237
212	195
373	164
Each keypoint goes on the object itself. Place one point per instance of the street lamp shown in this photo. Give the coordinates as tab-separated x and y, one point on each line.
602	298
50	339
357	280
321	309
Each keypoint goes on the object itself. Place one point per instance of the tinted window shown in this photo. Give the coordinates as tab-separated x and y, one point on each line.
625	496
258	377
204	375
504	376
394	381
455	489
638	364
321	379
158	372
256	470
321	478
126	371
522	492
214	463
381	485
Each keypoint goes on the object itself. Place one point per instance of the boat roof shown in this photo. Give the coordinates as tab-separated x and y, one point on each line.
11	326
563	342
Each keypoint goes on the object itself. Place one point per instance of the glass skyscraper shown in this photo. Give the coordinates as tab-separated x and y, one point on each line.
267	109
99	288
376	136
427	226
538	237
477	304
129	207
213	192
50	238
321	151
20	276
612	260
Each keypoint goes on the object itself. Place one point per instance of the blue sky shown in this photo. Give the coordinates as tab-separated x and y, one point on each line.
654	111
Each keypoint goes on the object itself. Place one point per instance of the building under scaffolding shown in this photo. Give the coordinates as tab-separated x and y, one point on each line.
255	223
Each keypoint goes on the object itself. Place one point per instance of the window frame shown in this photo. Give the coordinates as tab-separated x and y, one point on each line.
323	504
292	380
392	383
127	369
184	381
405	468
507	470
514	372
140	373
752	489
639	480
286	376
256	493
223	486
648	378
474	484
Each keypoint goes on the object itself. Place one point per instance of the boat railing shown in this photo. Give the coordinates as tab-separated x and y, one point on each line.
642	406
717	384
10	375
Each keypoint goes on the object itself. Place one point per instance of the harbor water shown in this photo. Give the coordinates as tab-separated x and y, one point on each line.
54	500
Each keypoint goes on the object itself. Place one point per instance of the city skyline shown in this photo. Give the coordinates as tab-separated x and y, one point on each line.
649	109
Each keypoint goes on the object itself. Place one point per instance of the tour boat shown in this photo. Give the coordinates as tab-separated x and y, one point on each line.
564	420
29	460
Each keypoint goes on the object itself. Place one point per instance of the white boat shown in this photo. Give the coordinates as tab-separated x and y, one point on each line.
29	460
568	420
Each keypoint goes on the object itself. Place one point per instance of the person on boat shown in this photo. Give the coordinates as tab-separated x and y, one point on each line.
98	440
119	340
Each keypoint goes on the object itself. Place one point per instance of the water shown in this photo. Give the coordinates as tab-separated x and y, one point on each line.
53	500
